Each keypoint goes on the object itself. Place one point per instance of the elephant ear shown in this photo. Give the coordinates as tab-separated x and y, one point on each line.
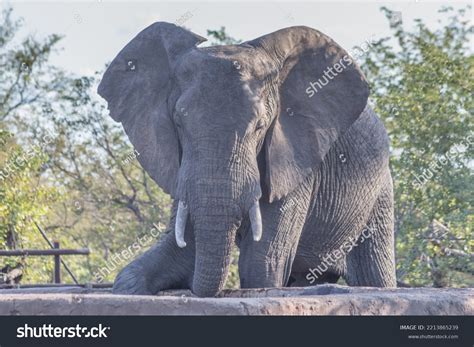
310	118
136	87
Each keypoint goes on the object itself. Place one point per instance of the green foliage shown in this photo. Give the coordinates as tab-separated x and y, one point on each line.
23	198
85	186
220	37
25	80
423	91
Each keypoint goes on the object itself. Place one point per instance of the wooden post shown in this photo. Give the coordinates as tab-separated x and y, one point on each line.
57	264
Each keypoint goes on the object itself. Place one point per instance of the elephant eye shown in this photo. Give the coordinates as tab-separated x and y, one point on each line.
260	125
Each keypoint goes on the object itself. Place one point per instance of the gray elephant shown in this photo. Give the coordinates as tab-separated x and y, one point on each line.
269	143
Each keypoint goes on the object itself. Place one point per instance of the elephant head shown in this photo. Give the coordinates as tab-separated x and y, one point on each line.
222	128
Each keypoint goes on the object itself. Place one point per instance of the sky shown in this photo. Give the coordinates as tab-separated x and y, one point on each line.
95	31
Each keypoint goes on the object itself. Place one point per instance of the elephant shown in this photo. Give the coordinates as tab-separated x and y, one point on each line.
270	144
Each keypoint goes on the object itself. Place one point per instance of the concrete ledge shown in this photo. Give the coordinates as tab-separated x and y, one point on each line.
317	300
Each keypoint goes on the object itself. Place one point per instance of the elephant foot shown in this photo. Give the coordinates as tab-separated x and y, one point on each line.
131	281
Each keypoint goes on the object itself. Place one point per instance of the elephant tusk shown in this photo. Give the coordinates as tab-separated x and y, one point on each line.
256	221
180	227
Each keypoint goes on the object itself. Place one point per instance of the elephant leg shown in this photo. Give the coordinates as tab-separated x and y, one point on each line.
268	262
163	266
372	262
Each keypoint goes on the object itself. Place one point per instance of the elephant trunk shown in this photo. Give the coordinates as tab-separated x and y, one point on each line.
215	233
218	199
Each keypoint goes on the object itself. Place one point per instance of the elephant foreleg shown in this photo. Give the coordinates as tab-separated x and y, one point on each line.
163	266
372	262
268	262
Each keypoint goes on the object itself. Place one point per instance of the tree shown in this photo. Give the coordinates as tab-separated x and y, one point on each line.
220	37
23	196
423	92
84	184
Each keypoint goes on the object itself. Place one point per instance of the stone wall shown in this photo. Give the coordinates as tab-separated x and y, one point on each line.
318	300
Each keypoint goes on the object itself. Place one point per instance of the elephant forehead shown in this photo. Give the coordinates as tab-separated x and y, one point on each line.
205	70
220	81
237	53
224	63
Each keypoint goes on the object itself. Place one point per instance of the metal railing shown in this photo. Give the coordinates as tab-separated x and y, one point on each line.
56	252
